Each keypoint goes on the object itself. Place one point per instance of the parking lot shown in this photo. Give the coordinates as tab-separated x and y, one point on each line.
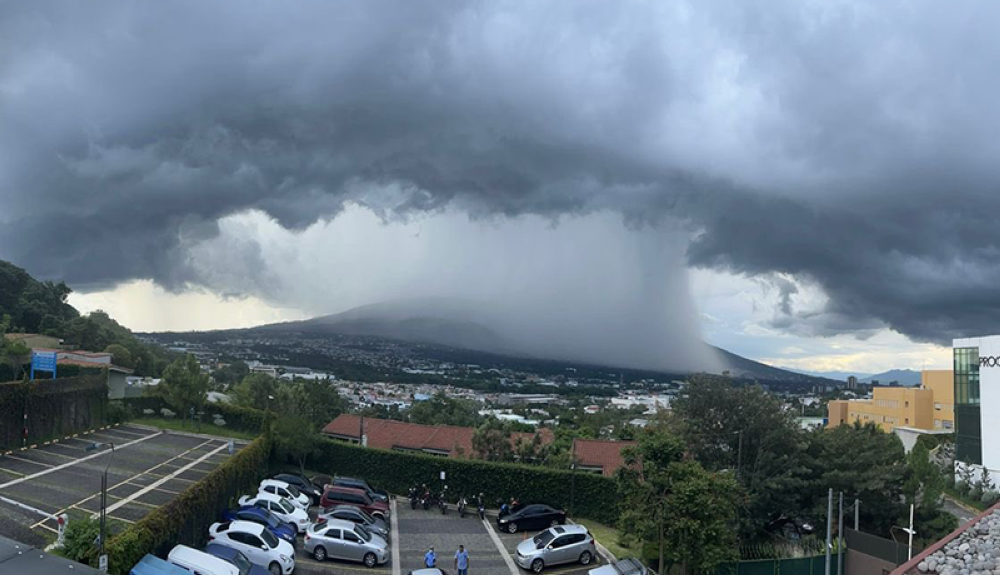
148	469
415	531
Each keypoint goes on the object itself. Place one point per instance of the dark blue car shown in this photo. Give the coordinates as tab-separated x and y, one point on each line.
236	558
276	526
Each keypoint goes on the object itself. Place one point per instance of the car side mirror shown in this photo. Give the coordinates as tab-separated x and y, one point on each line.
264	547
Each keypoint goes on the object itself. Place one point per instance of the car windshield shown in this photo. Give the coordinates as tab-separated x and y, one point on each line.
270	520
368	518
294	491
269	538
284	506
241	562
543	539
363	533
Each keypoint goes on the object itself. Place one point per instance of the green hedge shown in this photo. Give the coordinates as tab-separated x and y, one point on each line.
241	418
581	494
185	520
55	408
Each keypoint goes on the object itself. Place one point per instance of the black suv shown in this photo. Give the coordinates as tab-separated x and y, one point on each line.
302	484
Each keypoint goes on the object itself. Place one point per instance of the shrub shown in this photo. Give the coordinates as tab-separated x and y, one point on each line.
990	498
81	533
961	487
235	417
581	494
55	408
117	412
976	493
185	519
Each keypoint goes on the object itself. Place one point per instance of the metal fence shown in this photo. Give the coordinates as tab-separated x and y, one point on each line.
815	565
885	549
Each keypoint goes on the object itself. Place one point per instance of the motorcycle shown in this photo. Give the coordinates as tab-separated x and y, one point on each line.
461	507
481	503
413	498
442	504
425	501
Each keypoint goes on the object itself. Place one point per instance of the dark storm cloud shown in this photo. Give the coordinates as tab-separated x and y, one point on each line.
852	146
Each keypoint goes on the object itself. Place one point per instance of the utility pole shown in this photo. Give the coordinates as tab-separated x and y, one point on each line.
840	537
857	513
739	456
829	530
909	550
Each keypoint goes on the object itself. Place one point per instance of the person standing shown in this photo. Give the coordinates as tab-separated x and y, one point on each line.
462	560
430	558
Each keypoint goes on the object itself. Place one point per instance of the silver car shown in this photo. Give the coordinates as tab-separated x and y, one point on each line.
555	545
355	515
339	539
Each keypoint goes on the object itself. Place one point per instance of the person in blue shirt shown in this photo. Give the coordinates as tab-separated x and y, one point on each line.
430	559
462	560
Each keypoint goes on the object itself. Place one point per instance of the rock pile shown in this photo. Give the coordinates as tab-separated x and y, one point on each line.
974	552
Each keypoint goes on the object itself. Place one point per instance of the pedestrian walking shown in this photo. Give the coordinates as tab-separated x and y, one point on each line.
462	560
430	558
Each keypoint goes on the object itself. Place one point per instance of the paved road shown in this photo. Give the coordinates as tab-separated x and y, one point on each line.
961	513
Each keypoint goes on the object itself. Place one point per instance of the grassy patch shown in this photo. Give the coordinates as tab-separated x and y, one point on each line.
609	537
966	500
206	428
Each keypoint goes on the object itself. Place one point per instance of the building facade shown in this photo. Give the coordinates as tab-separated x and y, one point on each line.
889	407
972	358
942	383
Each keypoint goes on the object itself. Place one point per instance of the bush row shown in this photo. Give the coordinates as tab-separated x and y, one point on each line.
185	519
586	495
55	408
236	417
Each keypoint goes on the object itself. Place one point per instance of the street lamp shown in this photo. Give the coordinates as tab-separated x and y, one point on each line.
104	496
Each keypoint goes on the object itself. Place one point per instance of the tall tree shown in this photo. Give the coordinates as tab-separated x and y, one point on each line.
687	512
865	463
16	354
296	437
443	410
747	431
256	390
183	385
120	355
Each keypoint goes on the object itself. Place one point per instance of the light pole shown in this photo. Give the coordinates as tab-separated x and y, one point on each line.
104	499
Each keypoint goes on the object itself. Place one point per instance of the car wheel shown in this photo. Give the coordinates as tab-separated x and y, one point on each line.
512	528
370	560
537	565
585	558
378	516
274	568
319	553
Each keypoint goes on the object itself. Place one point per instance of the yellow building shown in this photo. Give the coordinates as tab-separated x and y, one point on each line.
929	407
942	383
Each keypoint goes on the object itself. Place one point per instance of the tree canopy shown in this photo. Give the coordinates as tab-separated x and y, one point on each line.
443	410
183	385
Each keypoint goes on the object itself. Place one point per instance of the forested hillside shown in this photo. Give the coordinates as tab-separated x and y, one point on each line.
31	306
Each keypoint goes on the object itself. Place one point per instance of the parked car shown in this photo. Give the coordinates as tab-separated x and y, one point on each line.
555	546
153	565
303	484
375	494
630	566
535	516
200	562
321	481
289	492
235	557
279	528
355	515
427	571
281	508
338	539
335	495
257	543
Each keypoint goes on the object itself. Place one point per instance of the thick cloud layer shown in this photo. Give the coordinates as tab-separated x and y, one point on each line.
848	145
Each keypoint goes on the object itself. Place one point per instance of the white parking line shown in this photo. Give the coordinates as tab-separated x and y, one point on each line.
500	547
394	521
22	460
71	463
160	482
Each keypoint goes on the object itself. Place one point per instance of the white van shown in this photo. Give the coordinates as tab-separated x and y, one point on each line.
199	562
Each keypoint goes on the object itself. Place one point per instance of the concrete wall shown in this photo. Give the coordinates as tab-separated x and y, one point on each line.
858	563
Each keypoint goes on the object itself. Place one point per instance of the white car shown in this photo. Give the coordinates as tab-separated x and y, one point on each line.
286	491
259	545
280	507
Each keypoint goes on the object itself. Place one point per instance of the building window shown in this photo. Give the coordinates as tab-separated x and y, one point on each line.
968	434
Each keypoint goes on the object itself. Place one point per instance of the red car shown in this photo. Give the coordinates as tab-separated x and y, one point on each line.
336	495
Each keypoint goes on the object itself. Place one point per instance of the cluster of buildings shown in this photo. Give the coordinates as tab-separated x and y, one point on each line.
906	411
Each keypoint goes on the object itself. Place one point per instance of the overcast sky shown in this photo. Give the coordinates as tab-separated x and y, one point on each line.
809	183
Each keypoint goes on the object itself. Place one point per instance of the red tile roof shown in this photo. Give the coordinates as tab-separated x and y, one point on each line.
600	453
390	434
